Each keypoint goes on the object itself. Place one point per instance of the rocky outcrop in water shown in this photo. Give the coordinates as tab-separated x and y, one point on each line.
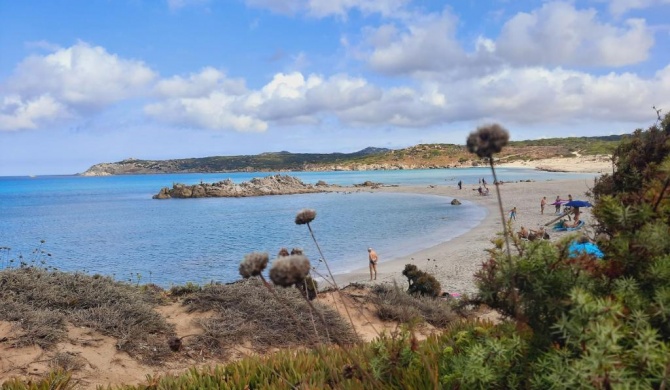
269	185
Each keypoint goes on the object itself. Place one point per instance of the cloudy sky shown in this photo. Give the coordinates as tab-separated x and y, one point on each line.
89	81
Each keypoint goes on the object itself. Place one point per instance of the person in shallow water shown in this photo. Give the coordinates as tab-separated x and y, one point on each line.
373	258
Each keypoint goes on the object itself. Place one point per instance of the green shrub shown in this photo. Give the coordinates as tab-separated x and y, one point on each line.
420	282
187	289
393	304
599	323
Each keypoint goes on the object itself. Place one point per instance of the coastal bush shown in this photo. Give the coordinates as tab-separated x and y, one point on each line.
186	289
599	323
248	311
42	303
309	288
421	282
393	304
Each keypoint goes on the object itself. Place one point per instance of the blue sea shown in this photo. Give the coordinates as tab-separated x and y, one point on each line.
111	225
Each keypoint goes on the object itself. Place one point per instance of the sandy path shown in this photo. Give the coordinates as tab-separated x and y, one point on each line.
455	261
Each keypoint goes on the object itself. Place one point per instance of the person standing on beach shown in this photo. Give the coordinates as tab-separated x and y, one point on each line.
543	203
512	214
460	185
558	204
372	256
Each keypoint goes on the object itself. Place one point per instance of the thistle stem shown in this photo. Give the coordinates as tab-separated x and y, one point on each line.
337	288
502	211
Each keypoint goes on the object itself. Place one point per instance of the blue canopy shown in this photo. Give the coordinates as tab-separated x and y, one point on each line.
589	248
579	203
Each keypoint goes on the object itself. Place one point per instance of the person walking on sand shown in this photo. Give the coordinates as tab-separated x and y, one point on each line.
372	256
512	214
543	203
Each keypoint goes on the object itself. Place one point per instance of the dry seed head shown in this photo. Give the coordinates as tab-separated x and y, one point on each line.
287	271
305	216
283	252
488	140
253	264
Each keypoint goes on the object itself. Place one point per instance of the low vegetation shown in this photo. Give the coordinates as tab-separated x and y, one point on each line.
246	312
393	304
41	303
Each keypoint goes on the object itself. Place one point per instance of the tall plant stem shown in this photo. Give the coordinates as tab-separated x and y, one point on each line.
337	288
502	211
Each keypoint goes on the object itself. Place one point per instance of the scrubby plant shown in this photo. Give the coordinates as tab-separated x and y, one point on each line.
186	289
308	288
394	304
421	282
248	311
42	302
599	323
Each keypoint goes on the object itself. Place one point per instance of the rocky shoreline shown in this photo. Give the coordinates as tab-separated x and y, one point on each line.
269	185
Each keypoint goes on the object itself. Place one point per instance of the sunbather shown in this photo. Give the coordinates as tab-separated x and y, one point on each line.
523	233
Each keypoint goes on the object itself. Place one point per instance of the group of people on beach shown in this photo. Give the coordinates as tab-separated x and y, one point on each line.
568	211
483	190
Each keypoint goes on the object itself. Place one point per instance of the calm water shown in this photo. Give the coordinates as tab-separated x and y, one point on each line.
111	226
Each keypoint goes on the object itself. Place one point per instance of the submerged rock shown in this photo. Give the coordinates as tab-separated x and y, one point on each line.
269	185
455	202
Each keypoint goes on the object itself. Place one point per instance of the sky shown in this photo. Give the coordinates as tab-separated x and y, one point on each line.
90	81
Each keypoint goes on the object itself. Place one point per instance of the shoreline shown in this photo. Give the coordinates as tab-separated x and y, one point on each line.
455	261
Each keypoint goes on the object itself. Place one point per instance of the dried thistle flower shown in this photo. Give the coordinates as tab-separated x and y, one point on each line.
287	271
488	140
253	264
305	216
296	251
283	252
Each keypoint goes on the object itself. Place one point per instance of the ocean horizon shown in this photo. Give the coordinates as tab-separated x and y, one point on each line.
111	226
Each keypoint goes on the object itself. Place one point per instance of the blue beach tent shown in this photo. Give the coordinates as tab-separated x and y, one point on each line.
578	248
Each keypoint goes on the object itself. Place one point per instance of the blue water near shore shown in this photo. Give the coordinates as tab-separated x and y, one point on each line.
111	226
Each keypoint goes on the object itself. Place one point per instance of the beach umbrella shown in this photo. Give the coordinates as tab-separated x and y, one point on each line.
589	248
579	203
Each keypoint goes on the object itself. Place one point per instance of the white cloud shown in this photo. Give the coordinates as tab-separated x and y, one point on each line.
620	7
522	96
326	8
289	98
428	44
78	79
17	114
207	99
323	8
557	34
213	111
205	82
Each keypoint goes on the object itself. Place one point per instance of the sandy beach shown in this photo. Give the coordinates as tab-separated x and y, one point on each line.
455	261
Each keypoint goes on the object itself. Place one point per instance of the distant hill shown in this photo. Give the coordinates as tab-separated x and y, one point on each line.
370	158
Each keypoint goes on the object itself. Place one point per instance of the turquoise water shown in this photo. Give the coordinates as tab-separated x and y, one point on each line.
111	226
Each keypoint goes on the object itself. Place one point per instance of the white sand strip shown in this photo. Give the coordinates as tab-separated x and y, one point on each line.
455	261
